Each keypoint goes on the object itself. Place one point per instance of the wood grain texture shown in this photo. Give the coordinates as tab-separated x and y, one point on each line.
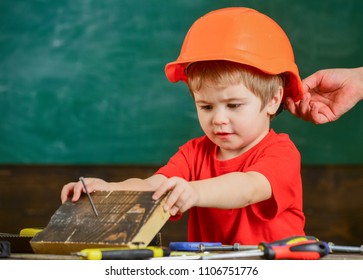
124	218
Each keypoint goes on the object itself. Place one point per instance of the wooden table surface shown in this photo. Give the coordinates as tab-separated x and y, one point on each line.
19	256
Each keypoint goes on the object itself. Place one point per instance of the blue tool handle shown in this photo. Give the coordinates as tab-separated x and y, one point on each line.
190	246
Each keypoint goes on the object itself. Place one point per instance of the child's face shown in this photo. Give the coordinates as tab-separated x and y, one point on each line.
232	118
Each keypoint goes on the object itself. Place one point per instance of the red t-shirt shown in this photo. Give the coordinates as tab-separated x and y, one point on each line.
281	216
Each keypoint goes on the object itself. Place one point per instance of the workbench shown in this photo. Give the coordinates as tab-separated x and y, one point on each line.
20	256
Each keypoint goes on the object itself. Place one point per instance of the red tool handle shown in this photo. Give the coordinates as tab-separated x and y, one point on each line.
306	250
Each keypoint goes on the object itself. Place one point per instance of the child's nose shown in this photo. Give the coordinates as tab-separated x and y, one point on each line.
220	117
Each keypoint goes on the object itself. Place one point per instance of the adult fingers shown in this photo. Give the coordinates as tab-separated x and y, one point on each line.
304	107
291	106
313	81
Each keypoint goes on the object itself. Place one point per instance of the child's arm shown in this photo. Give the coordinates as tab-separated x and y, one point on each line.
229	191
75	189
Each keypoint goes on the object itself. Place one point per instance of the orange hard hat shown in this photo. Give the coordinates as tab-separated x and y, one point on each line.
240	35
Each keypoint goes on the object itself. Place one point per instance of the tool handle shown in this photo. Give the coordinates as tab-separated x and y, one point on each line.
135	254
139	254
292	240
305	250
5	249
125	254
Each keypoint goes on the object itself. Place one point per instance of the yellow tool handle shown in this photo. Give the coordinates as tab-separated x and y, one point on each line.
123	253
31	232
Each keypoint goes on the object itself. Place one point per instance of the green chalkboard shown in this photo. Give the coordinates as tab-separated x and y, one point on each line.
82	81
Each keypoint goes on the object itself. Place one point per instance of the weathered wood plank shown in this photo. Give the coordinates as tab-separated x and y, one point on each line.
124	218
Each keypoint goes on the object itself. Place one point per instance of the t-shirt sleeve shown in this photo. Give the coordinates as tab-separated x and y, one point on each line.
178	164
280	163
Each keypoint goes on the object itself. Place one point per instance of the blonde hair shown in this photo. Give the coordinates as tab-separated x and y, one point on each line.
221	73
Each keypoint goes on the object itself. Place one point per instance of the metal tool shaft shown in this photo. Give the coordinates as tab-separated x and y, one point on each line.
233	255
345	249
235	247
89	197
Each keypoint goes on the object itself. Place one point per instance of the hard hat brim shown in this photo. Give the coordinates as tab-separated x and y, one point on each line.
176	71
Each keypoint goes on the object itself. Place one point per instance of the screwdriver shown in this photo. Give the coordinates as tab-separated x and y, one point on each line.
238	247
123	253
304	250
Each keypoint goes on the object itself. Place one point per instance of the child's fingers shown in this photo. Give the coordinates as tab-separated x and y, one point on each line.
67	190
77	191
76	188
91	183
163	188
174	199
174	211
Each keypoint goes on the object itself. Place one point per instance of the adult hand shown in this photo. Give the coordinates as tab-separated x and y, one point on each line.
328	94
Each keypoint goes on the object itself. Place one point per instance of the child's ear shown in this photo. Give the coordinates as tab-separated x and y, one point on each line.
274	104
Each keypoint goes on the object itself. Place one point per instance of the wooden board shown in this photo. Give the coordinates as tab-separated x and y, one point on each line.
124	218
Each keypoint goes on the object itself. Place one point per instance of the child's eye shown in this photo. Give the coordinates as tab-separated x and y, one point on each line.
234	106
206	107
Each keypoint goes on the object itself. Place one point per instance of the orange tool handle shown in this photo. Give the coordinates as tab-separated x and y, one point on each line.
305	250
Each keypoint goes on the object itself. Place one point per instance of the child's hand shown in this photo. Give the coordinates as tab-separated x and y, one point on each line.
182	197
75	189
